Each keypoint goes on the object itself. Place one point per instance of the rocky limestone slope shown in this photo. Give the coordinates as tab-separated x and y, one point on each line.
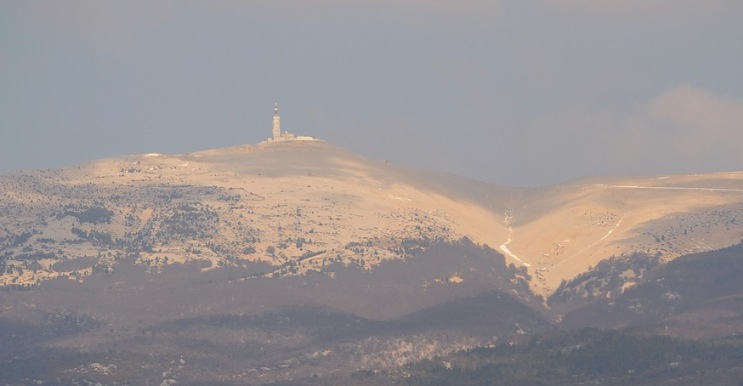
301	206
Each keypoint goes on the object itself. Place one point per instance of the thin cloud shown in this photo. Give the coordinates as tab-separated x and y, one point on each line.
115	26
104	25
646	5
431	13
700	111
324	6
685	128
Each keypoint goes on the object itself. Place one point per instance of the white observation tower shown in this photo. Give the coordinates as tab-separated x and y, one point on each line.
276	122
278	136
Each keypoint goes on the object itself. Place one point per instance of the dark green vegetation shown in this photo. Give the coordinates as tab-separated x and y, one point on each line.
646	335
228	326
605	280
692	296
94	215
585	356
680	324
139	324
443	313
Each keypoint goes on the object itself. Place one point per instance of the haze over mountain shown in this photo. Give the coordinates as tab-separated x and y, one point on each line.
322	263
514	93
571	213
282	202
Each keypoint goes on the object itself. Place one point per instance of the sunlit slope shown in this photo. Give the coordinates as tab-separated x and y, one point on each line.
563	230
294	205
299	206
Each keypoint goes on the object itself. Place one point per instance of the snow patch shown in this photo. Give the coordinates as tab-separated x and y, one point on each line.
504	246
611	230
675	188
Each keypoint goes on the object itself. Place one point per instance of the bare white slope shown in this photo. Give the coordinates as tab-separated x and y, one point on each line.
340	205
352	208
564	230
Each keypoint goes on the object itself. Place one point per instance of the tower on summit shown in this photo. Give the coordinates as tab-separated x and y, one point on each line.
276	123
278	136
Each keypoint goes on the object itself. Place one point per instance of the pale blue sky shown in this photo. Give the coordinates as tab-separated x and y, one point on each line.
509	92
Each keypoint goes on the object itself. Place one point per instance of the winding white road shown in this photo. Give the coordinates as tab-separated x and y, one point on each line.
611	230
504	246
721	190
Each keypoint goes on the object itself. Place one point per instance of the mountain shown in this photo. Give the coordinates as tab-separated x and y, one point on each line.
698	295
295	205
298	260
681	323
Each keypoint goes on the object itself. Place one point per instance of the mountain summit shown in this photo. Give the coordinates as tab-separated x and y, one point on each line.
300	205
294	259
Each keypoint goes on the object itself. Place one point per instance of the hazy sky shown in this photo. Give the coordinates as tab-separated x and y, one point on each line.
511	92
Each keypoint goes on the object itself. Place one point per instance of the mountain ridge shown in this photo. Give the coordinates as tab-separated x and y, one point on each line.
260	197
301	262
